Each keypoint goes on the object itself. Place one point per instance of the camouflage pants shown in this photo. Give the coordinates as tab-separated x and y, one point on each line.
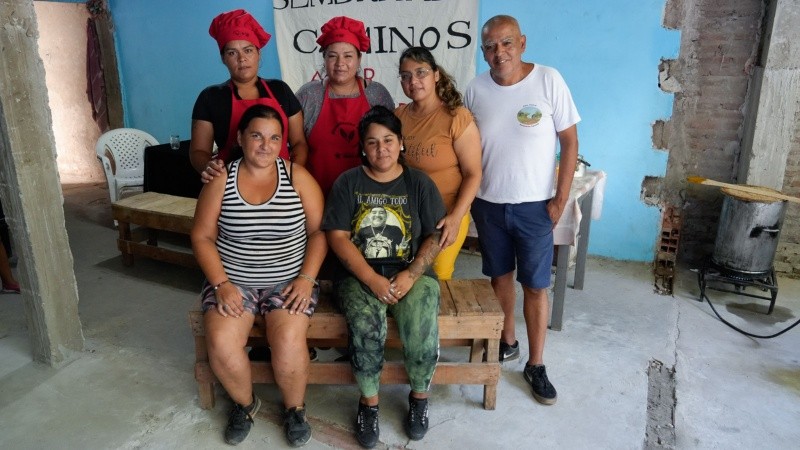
417	320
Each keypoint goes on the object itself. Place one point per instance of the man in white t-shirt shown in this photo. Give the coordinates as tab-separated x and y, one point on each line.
523	111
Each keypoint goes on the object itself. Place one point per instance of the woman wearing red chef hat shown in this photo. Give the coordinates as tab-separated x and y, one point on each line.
219	107
333	106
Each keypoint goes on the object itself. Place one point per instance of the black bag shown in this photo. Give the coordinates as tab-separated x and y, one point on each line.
388	267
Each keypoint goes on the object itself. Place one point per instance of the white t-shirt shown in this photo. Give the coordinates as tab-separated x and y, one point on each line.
519	126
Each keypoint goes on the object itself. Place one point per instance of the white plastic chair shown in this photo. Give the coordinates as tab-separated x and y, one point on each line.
121	151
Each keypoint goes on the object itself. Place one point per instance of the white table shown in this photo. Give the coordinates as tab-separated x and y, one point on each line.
585	203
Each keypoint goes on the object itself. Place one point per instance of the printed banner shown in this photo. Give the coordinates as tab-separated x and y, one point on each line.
448	28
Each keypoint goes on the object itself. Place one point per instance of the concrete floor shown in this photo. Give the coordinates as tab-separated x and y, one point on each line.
133	387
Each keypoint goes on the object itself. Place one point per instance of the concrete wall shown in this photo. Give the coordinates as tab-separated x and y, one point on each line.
62	47
788	253
784	51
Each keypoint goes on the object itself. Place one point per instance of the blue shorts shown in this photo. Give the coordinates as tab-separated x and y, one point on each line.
258	301
515	235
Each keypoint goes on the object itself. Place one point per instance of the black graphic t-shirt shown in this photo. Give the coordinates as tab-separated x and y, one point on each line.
384	219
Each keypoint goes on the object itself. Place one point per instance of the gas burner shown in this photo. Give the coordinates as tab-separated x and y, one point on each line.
714	277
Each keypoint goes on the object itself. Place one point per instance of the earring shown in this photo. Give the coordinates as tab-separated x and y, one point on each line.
402	148
363	153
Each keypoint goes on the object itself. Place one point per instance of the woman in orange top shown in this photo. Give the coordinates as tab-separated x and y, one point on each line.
442	140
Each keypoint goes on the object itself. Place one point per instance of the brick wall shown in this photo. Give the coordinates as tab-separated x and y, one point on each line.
719	47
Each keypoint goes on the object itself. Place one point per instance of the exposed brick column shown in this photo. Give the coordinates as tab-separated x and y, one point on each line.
719	48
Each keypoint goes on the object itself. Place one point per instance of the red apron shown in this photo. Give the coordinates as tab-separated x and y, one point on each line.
333	141
238	107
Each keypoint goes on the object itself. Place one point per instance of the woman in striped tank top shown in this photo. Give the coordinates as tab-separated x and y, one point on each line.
257	239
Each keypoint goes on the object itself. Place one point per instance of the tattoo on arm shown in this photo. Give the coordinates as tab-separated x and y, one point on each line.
428	251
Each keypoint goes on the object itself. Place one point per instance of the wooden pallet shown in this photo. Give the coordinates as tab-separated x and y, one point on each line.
469	316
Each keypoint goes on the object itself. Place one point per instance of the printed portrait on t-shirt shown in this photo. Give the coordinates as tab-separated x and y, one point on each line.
381	231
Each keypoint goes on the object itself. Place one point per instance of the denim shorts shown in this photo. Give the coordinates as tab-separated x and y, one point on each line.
258	301
515	235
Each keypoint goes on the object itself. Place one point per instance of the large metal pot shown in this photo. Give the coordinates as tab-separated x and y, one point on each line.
748	232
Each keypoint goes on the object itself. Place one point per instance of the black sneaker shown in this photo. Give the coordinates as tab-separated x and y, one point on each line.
367	430
543	390
240	421
417	419
296	427
509	352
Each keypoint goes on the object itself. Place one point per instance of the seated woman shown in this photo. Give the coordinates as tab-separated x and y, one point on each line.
380	220
257	238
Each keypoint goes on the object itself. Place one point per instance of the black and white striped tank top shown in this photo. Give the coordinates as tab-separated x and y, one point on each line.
261	245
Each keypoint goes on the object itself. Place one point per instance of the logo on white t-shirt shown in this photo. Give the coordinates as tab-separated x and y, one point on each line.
529	116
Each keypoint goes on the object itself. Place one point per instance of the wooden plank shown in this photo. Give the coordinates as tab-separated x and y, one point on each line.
158	203
334	327
154	210
325	305
159	253
464	298
446	305
125	235
476	350
331	327
394	372
159	221
484	294
493	350
490	397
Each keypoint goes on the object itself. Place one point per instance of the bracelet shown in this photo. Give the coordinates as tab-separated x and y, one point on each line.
306	277
217	286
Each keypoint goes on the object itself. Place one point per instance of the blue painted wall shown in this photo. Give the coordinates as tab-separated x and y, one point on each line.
166	57
608	52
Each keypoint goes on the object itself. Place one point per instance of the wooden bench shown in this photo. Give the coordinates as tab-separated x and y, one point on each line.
469	316
153	212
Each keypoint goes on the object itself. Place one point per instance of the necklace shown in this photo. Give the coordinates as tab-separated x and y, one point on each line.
379	233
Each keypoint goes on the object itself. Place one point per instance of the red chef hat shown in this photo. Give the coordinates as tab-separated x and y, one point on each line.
237	25
344	29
